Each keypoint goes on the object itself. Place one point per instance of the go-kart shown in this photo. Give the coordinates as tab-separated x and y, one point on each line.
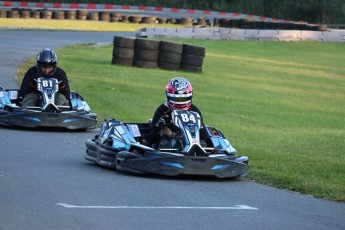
120	145
47	114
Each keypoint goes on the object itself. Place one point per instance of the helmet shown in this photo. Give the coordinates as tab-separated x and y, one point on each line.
46	57
179	93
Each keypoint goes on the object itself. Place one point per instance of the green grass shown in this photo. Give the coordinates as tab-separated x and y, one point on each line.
280	103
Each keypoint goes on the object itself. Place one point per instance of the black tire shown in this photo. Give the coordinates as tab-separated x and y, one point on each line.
115	15
126	53
194	50
47	14
145	64
60	15
170	57
147	44
82	14
14	13
169	66
187	21
171	47
122	61
149	20
192	60
124	42
3	13
162	20
71	14
134	18
146	55
125	18
25	14
36	14
94	16
192	68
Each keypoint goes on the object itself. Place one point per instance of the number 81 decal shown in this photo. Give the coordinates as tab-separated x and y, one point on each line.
47	83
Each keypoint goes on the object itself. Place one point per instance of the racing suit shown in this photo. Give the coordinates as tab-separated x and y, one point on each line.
154	133
29	91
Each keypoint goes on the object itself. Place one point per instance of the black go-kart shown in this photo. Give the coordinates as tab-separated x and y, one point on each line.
181	152
76	116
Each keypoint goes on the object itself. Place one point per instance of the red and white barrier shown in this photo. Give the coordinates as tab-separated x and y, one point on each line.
110	7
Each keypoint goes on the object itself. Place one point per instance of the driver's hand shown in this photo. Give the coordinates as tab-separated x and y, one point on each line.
163	121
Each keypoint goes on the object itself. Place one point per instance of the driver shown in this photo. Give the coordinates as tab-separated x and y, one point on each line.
179	93
46	66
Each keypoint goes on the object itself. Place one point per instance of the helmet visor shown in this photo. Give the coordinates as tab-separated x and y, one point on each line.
179	98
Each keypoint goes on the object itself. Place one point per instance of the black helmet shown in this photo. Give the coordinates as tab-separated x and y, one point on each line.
46	57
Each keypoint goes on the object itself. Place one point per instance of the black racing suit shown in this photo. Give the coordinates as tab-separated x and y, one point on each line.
154	134
29	85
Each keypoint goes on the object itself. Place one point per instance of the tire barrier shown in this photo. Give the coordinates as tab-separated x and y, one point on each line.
162	20
25	14
60	15
147	53
72	15
14	13
104	16
170	55
36	14
134	18
187	21
47	14
149	20
235	18
123	51
93	16
250	22
192	58
81	14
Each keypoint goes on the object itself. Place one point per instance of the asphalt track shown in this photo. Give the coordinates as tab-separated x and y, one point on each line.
45	182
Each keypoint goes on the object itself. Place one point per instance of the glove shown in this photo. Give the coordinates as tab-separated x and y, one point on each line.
163	121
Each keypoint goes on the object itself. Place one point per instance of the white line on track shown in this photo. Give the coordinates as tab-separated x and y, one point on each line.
238	207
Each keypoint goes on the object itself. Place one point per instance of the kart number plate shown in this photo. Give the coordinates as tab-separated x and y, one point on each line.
120	129
13	95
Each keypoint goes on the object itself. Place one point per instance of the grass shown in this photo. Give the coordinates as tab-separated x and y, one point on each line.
280	103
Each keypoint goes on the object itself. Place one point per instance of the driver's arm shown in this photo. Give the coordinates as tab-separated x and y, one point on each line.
28	84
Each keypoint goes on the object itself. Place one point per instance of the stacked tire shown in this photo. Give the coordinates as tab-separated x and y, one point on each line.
149	20
146	53
115	17
192	58
25	13
72	14
170	55
47	14
59	15
188	22
104	16
81	14
123	51
3	13
14	13
94	16
36	14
